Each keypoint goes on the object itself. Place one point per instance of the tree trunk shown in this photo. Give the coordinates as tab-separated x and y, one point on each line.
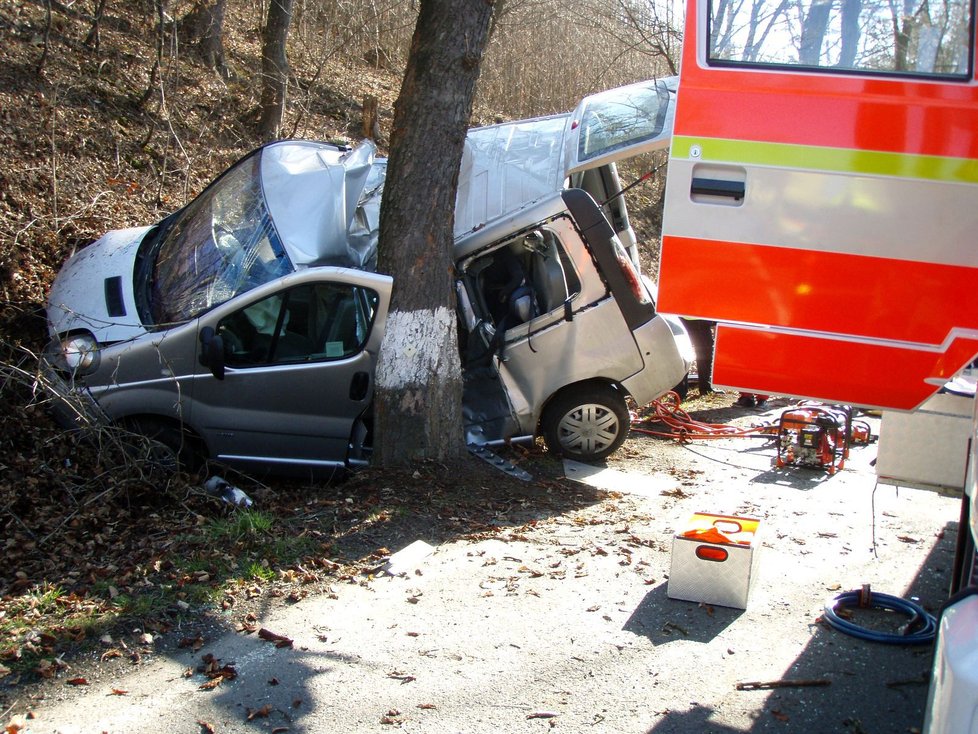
371	118
94	37
851	10
204	27
813	32
275	68
419	378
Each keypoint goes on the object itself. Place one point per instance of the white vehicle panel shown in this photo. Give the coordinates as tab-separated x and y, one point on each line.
952	703
506	166
78	296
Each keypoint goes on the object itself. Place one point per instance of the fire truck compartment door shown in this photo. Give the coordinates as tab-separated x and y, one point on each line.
825	220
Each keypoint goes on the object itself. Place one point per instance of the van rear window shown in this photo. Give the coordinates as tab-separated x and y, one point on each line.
904	37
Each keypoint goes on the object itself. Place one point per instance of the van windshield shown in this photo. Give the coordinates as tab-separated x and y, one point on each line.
222	244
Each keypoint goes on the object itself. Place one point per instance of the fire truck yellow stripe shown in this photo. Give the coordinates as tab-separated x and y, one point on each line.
835	160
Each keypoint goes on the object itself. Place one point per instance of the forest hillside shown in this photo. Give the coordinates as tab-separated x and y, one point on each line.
110	116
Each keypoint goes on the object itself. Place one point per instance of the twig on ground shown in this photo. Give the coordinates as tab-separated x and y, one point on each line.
782	683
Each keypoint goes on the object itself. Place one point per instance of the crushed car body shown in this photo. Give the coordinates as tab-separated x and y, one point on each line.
245	327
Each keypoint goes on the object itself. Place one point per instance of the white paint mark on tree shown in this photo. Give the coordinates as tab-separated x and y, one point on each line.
417	346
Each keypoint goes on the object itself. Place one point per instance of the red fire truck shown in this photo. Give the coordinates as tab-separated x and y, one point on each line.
822	207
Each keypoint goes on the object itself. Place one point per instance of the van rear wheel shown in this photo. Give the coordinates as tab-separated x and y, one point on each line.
586	424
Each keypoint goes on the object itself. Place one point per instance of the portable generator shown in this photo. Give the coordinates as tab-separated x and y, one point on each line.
819	436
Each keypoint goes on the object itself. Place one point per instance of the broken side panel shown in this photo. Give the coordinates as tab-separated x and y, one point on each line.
487	413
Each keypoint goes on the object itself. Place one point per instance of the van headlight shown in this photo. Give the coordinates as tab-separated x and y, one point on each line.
78	354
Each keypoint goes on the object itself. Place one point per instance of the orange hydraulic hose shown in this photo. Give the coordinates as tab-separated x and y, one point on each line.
678	424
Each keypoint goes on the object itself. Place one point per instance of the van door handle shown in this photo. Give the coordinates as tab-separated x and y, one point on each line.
718	187
358	386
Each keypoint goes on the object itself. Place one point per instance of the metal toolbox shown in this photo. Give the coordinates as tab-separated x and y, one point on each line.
927	448
714	560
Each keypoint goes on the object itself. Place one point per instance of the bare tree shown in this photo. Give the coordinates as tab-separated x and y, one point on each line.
813	32
654	35
94	37
419	378
47	38
204	27
722	26
851	10
756	35
274	68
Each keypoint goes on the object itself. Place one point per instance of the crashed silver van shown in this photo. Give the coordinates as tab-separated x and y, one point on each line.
245	327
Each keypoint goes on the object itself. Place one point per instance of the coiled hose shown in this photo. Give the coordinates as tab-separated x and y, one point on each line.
920	628
671	421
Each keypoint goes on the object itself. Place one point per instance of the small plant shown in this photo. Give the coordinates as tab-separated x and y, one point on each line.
244	524
45	599
33	604
385	514
140	606
258	571
291	549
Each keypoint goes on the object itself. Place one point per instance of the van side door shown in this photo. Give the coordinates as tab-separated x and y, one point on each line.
298	363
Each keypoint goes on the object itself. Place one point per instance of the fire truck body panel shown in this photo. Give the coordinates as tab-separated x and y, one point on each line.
822	207
802	213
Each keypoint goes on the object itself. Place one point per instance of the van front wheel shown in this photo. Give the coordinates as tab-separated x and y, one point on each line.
587	424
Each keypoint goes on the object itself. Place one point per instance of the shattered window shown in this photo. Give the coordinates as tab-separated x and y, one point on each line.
221	245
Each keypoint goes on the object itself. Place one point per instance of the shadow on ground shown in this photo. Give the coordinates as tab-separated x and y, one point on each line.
856	699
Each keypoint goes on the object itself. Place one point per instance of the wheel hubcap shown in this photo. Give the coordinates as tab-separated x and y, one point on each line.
588	429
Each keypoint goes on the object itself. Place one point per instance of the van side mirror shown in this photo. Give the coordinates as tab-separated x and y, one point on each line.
212	352
568	310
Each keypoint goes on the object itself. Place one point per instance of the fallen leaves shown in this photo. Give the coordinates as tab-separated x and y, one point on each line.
215	672
194	643
15	725
210	685
261	713
49	668
279	640
248	625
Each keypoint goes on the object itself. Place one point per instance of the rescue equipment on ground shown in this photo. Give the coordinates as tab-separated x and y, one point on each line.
224	490
920	628
494	459
808	435
714	560
680	425
815	435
